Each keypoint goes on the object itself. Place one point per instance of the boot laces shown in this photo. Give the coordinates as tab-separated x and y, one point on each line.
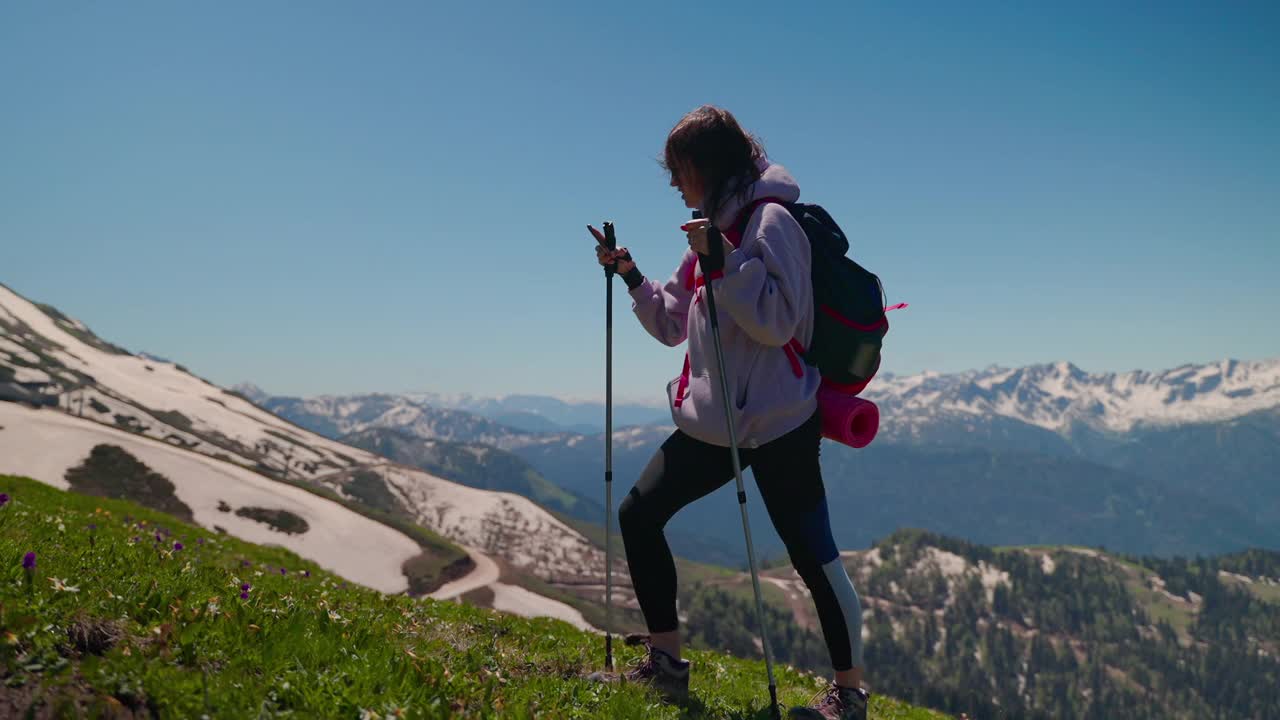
828	698
646	666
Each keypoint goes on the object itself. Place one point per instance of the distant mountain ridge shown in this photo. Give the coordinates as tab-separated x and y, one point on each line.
525	413
519	410
337	416
977	455
1057	397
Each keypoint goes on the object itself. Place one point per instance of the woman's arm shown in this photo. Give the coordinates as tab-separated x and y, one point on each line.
768	291
663	310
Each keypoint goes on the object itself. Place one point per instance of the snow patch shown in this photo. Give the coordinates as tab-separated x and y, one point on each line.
503	524
24	374
992	576
18	351
515	599
948	563
1047	564
954	567
1234	576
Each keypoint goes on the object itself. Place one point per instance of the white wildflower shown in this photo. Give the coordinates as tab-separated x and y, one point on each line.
60	584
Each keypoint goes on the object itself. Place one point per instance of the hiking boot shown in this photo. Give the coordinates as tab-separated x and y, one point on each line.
658	670
834	703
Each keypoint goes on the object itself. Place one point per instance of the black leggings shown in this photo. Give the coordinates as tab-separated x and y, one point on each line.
790	481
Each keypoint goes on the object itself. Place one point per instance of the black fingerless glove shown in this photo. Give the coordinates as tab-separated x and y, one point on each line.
633	278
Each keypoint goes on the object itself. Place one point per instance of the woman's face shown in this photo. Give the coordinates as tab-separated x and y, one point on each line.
686	179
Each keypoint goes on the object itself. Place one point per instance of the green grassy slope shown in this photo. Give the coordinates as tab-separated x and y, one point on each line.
114	622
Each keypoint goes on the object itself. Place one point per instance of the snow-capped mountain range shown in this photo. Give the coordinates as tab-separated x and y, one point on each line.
1185	460
1059	397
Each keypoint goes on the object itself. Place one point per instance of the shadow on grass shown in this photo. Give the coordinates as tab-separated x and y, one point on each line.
694	709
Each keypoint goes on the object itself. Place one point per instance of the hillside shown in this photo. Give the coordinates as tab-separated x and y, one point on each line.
475	465
1041	632
1029	632
129	613
239	467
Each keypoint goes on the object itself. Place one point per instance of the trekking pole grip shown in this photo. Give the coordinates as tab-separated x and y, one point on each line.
610	242
714	259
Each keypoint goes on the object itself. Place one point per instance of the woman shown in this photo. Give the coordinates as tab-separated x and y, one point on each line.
764	297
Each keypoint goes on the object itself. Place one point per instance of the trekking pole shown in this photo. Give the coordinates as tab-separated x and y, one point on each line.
611	242
717	249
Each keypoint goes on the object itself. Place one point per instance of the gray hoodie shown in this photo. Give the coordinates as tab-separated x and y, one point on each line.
765	304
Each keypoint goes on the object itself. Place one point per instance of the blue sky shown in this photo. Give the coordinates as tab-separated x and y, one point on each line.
342	197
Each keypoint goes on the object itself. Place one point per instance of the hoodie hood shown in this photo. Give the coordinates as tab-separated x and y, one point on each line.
774	181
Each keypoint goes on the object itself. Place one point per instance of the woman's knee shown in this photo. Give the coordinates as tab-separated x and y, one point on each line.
638	511
633	516
807	536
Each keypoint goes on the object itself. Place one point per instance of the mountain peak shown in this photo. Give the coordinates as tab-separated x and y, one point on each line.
251	391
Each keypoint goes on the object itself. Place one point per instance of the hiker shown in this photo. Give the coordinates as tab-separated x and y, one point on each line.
764	296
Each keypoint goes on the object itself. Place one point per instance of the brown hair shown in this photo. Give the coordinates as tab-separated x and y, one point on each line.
723	154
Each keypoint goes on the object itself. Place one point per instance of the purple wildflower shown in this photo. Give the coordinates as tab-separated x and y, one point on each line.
244	596
245	587
283	571
199	541
29	561
93	526
158	538
4	499
177	546
246	563
306	573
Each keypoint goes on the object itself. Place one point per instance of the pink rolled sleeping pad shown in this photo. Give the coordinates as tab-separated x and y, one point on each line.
848	419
